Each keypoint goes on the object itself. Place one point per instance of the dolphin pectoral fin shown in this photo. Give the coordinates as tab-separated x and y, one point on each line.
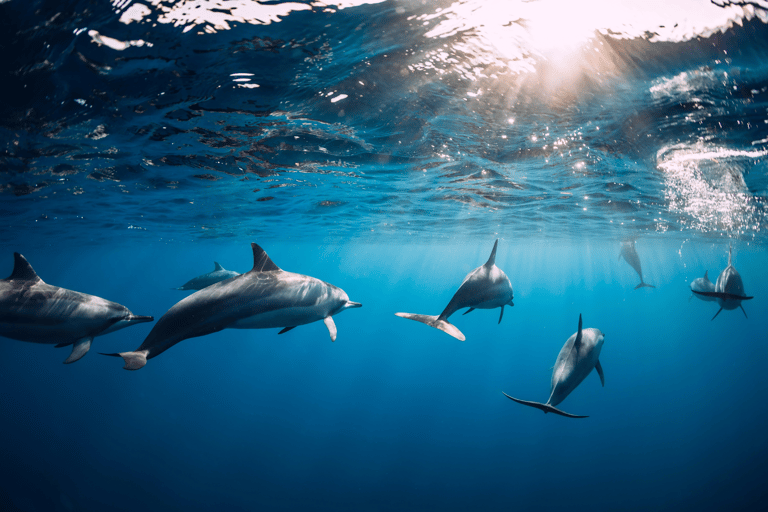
468	311
62	345
79	349
286	329
644	285
718	312
599	369
501	315
331	327
742	310
133	360
544	407
434	321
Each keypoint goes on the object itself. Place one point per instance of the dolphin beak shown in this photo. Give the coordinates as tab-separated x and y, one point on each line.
351	304
138	319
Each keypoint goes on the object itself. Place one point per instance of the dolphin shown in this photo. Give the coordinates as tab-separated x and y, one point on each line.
576	360
629	253
703	284
486	287
265	297
729	289
31	310
219	273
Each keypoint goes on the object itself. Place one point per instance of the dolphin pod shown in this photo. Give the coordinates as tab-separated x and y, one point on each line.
486	287
578	357
268	297
728	290
218	273
265	297
32	310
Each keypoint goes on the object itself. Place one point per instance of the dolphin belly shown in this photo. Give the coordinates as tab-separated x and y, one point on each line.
283	317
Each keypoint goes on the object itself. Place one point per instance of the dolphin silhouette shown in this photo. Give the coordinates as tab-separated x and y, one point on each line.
703	284
629	253
263	298
486	287
32	310
578	357
729	289
219	273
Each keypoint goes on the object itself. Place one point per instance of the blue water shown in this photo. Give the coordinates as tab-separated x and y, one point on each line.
383	147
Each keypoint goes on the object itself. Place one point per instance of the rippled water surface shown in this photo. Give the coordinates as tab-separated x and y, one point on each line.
383	146
194	120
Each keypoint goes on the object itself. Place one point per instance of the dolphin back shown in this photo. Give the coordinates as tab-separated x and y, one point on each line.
436	322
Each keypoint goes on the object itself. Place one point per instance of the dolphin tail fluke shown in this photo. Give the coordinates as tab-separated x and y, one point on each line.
133	360
434	321
544	407
643	285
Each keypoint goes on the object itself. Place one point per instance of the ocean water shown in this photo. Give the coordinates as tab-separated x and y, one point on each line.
383	147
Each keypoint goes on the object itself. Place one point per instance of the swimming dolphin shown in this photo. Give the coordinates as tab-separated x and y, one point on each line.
31	310
576	360
703	284
219	274
729	289
263	298
486	287
630	256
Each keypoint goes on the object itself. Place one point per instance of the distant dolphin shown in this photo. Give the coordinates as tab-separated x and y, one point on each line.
630	256
266	297
31	310
576	360
703	284
219	274
729	289
486	287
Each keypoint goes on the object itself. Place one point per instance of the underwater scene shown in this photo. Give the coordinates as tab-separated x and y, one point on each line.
373	255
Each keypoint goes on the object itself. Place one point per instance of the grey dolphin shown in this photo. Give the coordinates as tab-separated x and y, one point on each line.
486	287
31	310
263	298
629	253
729	289
219	273
703	284
577	358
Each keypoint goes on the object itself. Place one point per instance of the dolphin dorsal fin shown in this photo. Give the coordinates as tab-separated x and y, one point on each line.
705	274
22	270
261	262
729	257
492	259
578	334
216	266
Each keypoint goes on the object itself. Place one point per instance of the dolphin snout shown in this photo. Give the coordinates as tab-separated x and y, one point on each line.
140	319
351	304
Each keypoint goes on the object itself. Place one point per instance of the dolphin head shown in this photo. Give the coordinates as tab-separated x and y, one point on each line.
125	321
340	301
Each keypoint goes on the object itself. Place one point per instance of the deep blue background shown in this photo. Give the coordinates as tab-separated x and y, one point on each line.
395	414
